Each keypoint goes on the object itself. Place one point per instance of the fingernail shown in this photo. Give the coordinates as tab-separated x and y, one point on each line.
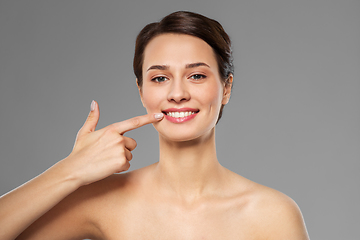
92	106
158	116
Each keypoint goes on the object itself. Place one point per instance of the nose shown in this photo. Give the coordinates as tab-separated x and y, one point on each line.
178	92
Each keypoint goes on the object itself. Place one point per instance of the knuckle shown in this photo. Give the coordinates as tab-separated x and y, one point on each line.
121	140
135	121
90	117
107	131
111	128
122	162
121	150
118	165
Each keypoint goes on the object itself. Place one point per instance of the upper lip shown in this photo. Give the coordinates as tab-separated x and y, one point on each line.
180	110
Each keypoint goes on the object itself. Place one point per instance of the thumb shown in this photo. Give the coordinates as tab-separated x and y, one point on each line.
92	119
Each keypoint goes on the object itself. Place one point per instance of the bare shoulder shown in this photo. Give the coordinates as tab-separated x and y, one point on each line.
115	187
114	193
80	214
276	215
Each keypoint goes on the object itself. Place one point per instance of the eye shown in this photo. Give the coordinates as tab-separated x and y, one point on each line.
198	76
159	79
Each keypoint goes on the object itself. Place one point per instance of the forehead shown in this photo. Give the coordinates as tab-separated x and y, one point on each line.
178	50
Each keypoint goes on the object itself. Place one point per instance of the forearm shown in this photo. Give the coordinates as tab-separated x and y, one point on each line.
95	156
25	204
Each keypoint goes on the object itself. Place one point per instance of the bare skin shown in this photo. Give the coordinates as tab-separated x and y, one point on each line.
129	207
186	195
138	205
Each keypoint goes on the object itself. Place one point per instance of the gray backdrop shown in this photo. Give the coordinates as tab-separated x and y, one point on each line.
293	122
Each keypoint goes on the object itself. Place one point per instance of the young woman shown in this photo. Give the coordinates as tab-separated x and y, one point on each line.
184	72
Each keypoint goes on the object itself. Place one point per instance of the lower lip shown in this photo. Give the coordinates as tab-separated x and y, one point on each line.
180	120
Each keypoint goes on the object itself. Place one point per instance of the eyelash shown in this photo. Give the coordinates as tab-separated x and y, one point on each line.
201	76
194	77
156	79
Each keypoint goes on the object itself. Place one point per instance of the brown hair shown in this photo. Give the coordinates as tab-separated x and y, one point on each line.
194	24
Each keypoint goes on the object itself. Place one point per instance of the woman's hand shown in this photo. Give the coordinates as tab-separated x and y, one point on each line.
98	154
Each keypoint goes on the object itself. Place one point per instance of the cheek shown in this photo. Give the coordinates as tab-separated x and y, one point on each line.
211	95
151	100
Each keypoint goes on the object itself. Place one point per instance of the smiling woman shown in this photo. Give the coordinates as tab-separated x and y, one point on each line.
190	84
184	71
190	24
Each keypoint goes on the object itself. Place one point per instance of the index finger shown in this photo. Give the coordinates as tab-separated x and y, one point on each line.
136	122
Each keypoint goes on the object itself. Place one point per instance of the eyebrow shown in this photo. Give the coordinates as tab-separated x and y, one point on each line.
159	67
198	64
166	67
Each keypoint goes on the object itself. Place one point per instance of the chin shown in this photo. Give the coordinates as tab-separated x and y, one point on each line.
178	138
185	136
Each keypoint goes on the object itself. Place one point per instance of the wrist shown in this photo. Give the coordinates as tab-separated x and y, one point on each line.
65	174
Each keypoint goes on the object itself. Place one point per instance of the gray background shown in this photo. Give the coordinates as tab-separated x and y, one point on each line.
293	122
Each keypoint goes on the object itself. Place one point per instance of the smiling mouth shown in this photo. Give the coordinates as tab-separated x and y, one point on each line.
180	115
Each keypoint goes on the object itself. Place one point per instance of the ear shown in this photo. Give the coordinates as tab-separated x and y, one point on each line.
227	89
140	93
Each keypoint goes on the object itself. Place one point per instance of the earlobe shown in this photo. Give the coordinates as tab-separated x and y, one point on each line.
227	89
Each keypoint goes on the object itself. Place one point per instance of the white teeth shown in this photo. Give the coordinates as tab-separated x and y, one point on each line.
179	114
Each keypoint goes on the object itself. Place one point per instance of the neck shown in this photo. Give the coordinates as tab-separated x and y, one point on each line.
189	169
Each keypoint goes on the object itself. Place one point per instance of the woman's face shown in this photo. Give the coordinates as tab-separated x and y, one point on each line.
181	79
